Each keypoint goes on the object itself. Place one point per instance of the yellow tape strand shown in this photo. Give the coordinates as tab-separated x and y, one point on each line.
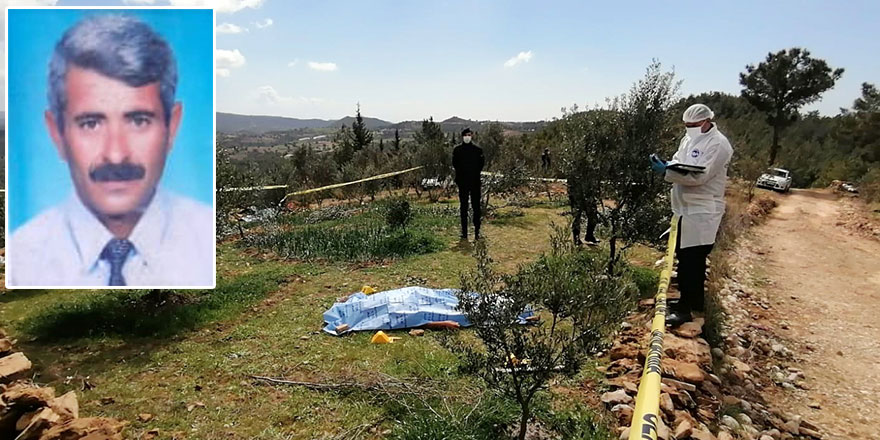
340	185
380	176
253	188
646	415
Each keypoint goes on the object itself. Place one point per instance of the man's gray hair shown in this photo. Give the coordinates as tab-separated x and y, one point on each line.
117	46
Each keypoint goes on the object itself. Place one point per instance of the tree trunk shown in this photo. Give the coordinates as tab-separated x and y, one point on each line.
523	422
240	229
612	252
775	147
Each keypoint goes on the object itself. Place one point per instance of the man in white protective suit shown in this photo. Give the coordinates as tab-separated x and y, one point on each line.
698	200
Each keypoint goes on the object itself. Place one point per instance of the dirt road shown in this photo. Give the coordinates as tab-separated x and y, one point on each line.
824	285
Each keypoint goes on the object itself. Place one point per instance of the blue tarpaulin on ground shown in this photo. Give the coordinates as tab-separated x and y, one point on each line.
397	309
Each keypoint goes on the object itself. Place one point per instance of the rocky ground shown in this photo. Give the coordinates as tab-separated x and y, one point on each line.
806	285
800	341
32	412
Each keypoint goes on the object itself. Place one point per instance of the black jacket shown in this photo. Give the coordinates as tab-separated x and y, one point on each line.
468	161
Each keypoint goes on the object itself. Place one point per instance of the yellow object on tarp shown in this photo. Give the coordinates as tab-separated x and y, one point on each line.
646	415
382	338
516	361
367	290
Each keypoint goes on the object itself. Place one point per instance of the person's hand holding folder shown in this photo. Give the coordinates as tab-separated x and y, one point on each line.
660	166
657	164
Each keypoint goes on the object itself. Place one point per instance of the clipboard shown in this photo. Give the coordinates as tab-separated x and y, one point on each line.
684	168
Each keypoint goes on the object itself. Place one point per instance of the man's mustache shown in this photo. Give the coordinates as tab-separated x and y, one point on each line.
117	172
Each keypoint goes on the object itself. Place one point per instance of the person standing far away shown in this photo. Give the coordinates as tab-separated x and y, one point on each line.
468	162
698	200
545	159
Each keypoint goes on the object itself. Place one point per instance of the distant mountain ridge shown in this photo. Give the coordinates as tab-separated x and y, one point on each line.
259	124
231	123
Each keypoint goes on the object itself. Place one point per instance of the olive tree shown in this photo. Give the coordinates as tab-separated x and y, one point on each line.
606	160
578	303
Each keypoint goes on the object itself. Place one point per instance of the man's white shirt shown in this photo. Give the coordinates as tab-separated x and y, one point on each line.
173	246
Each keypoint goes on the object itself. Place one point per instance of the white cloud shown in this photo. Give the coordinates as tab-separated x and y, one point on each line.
271	96
228	6
264	24
268	95
324	67
228	59
229	28
5	3
522	57
139	2
293	63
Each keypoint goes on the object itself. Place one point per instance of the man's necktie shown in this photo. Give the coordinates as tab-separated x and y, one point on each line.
115	253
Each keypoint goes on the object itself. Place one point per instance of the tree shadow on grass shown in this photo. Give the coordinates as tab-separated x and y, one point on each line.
93	333
9	296
150	313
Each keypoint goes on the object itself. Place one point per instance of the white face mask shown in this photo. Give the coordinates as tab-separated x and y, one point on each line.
694	132
466	139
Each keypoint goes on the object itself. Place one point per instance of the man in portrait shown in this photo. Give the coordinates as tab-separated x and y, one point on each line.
112	117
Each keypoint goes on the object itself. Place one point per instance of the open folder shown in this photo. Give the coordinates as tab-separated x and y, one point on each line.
675	165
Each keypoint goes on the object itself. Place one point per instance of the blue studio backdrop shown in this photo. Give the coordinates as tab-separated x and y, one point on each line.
37	177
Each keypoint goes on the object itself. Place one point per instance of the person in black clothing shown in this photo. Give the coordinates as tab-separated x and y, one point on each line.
545	159
468	161
583	205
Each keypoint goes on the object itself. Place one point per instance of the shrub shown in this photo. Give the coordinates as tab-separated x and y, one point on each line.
646	279
870	185
579	304
398	213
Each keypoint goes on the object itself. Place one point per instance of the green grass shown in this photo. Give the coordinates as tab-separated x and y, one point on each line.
485	417
350	244
576	422
151	313
354	234
264	319
646	279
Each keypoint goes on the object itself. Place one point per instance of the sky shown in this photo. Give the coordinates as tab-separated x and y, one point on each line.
507	59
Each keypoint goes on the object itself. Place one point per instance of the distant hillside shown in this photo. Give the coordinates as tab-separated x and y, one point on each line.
3	120
233	123
372	123
456	124
456	120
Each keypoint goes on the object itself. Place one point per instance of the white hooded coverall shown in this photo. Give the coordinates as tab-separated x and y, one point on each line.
698	198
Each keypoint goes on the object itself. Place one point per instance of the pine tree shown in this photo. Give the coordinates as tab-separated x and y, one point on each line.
786	81
344	146
359	136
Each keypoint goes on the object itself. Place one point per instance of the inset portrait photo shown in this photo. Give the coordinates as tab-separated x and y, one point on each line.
110	148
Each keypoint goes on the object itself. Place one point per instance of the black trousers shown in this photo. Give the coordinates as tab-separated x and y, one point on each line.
578	212
592	220
473	192
691	275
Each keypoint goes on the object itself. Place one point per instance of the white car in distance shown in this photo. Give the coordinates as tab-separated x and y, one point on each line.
776	179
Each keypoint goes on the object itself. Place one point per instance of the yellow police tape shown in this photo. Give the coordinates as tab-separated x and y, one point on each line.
254	188
646	414
340	185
